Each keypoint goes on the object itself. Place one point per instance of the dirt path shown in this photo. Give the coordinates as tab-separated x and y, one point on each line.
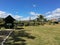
6	37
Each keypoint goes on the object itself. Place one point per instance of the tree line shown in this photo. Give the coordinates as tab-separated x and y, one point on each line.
40	20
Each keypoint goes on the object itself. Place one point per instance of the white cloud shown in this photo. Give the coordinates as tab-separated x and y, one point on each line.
34	13
5	14
29	18
48	13
25	18
53	14
18	17
56	11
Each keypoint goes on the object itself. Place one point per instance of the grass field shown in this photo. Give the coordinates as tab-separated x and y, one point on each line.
44	35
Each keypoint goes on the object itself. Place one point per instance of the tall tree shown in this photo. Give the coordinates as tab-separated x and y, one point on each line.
40	18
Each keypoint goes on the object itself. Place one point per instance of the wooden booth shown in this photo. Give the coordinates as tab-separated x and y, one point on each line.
9	22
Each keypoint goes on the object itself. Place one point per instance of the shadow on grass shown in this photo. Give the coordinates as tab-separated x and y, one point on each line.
15	43
23	33
16	38
19	28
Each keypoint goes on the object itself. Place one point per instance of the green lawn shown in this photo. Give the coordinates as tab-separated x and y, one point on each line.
45	35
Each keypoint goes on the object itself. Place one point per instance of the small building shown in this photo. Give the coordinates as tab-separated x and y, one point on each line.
9	22
55	21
